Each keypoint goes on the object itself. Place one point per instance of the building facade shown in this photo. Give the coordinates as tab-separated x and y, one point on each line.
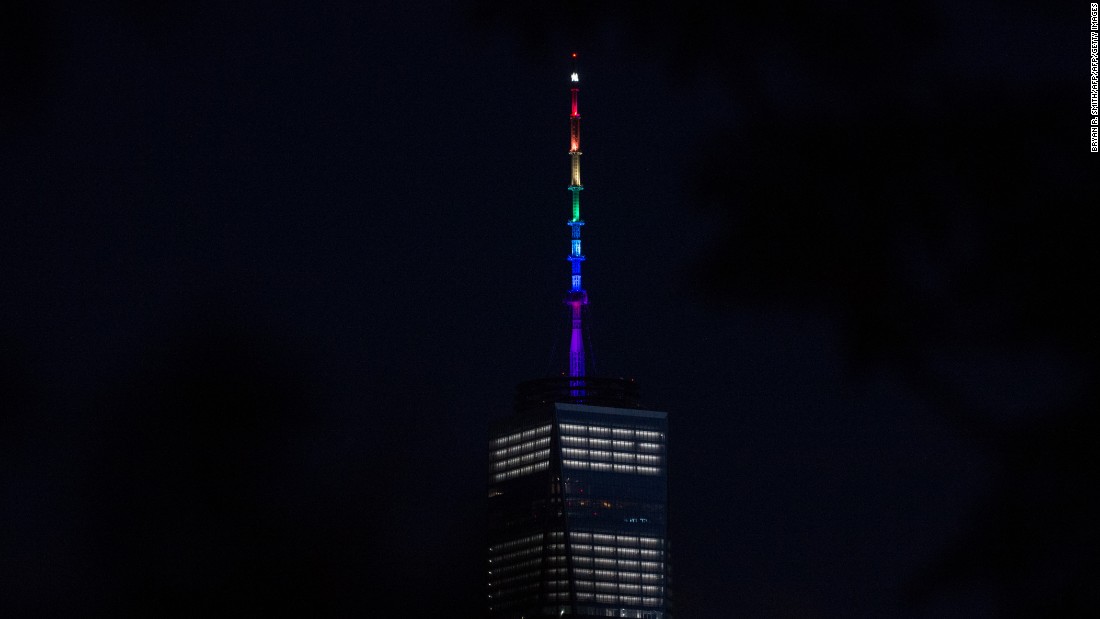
578	504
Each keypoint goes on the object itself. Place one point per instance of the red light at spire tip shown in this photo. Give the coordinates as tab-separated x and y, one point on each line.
574	54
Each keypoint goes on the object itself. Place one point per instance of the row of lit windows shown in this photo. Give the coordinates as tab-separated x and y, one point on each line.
524	459
626	600
524	447
616	444
521	471
646	577
611	551
645	566
549	589
531	563
623	564
618	574
505	588
642	553
559	591
496	580
515	437
527	552
615	575
605	431
605	579
605	467
549	584
620	457
582	562
588	585
618	540
557	596
521	541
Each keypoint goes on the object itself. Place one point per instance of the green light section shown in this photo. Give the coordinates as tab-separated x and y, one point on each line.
576	204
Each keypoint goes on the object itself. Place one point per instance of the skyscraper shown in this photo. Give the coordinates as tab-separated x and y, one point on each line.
578	481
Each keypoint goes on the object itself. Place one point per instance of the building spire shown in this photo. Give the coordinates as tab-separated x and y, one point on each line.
576	298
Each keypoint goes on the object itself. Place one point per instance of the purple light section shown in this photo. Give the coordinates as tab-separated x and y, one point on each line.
576	340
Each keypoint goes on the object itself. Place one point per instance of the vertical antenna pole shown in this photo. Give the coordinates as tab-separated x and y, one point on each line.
577	298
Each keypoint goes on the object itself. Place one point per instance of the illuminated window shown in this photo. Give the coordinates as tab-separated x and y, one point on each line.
518	436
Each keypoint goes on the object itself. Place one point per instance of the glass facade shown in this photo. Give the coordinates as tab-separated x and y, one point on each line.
578	498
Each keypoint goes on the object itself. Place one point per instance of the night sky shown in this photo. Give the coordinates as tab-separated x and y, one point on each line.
269	270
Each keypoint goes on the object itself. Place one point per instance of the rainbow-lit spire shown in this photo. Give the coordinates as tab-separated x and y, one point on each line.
577	298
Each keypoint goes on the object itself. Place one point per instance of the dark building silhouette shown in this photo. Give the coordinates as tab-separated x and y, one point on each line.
578	482
578	498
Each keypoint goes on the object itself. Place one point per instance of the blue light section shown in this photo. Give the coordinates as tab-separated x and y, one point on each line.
575	256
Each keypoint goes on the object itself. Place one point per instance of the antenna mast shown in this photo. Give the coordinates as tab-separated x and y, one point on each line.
576	298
